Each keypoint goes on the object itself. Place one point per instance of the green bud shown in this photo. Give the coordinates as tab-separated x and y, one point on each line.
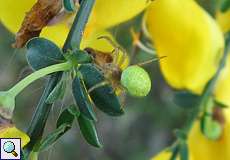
136	81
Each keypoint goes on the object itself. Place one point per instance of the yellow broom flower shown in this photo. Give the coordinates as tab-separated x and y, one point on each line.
204	148
10	131
191	40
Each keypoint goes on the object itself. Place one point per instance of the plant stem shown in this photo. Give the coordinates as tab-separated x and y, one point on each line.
75	35
73	40
14	91
208	91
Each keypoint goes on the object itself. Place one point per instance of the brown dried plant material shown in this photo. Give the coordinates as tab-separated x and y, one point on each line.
36	19
218	115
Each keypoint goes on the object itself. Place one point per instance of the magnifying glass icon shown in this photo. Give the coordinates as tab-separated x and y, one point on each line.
9	147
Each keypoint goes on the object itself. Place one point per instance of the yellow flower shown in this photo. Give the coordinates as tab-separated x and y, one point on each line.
10	131
203	148
109	13
105	14
191	40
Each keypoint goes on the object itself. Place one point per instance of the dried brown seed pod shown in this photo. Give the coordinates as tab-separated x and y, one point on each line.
36	19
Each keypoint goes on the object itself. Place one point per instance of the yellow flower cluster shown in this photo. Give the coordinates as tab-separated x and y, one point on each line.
191	40
193	43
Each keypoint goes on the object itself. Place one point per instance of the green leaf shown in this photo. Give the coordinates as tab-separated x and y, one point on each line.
42	53
57	93
220	104
64	123
186	99
52	137
79	57
68	116
69	5
103	97
183	151
225	5
180	134
174	153
82	98
88	130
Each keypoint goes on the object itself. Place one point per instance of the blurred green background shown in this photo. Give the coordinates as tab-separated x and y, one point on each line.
145	129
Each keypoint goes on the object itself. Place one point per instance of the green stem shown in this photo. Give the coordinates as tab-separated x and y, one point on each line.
73	40
14	91
208	91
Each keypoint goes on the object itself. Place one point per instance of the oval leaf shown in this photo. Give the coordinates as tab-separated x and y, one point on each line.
42	53
81	57
82	98
88	130
57	93
183	151
175	152
68	115
52	137
225	5
78	57
104	96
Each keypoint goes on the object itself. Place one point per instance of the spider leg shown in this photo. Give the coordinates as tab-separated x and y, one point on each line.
150	61
116	55
109	40
122	96
123	57
116	48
